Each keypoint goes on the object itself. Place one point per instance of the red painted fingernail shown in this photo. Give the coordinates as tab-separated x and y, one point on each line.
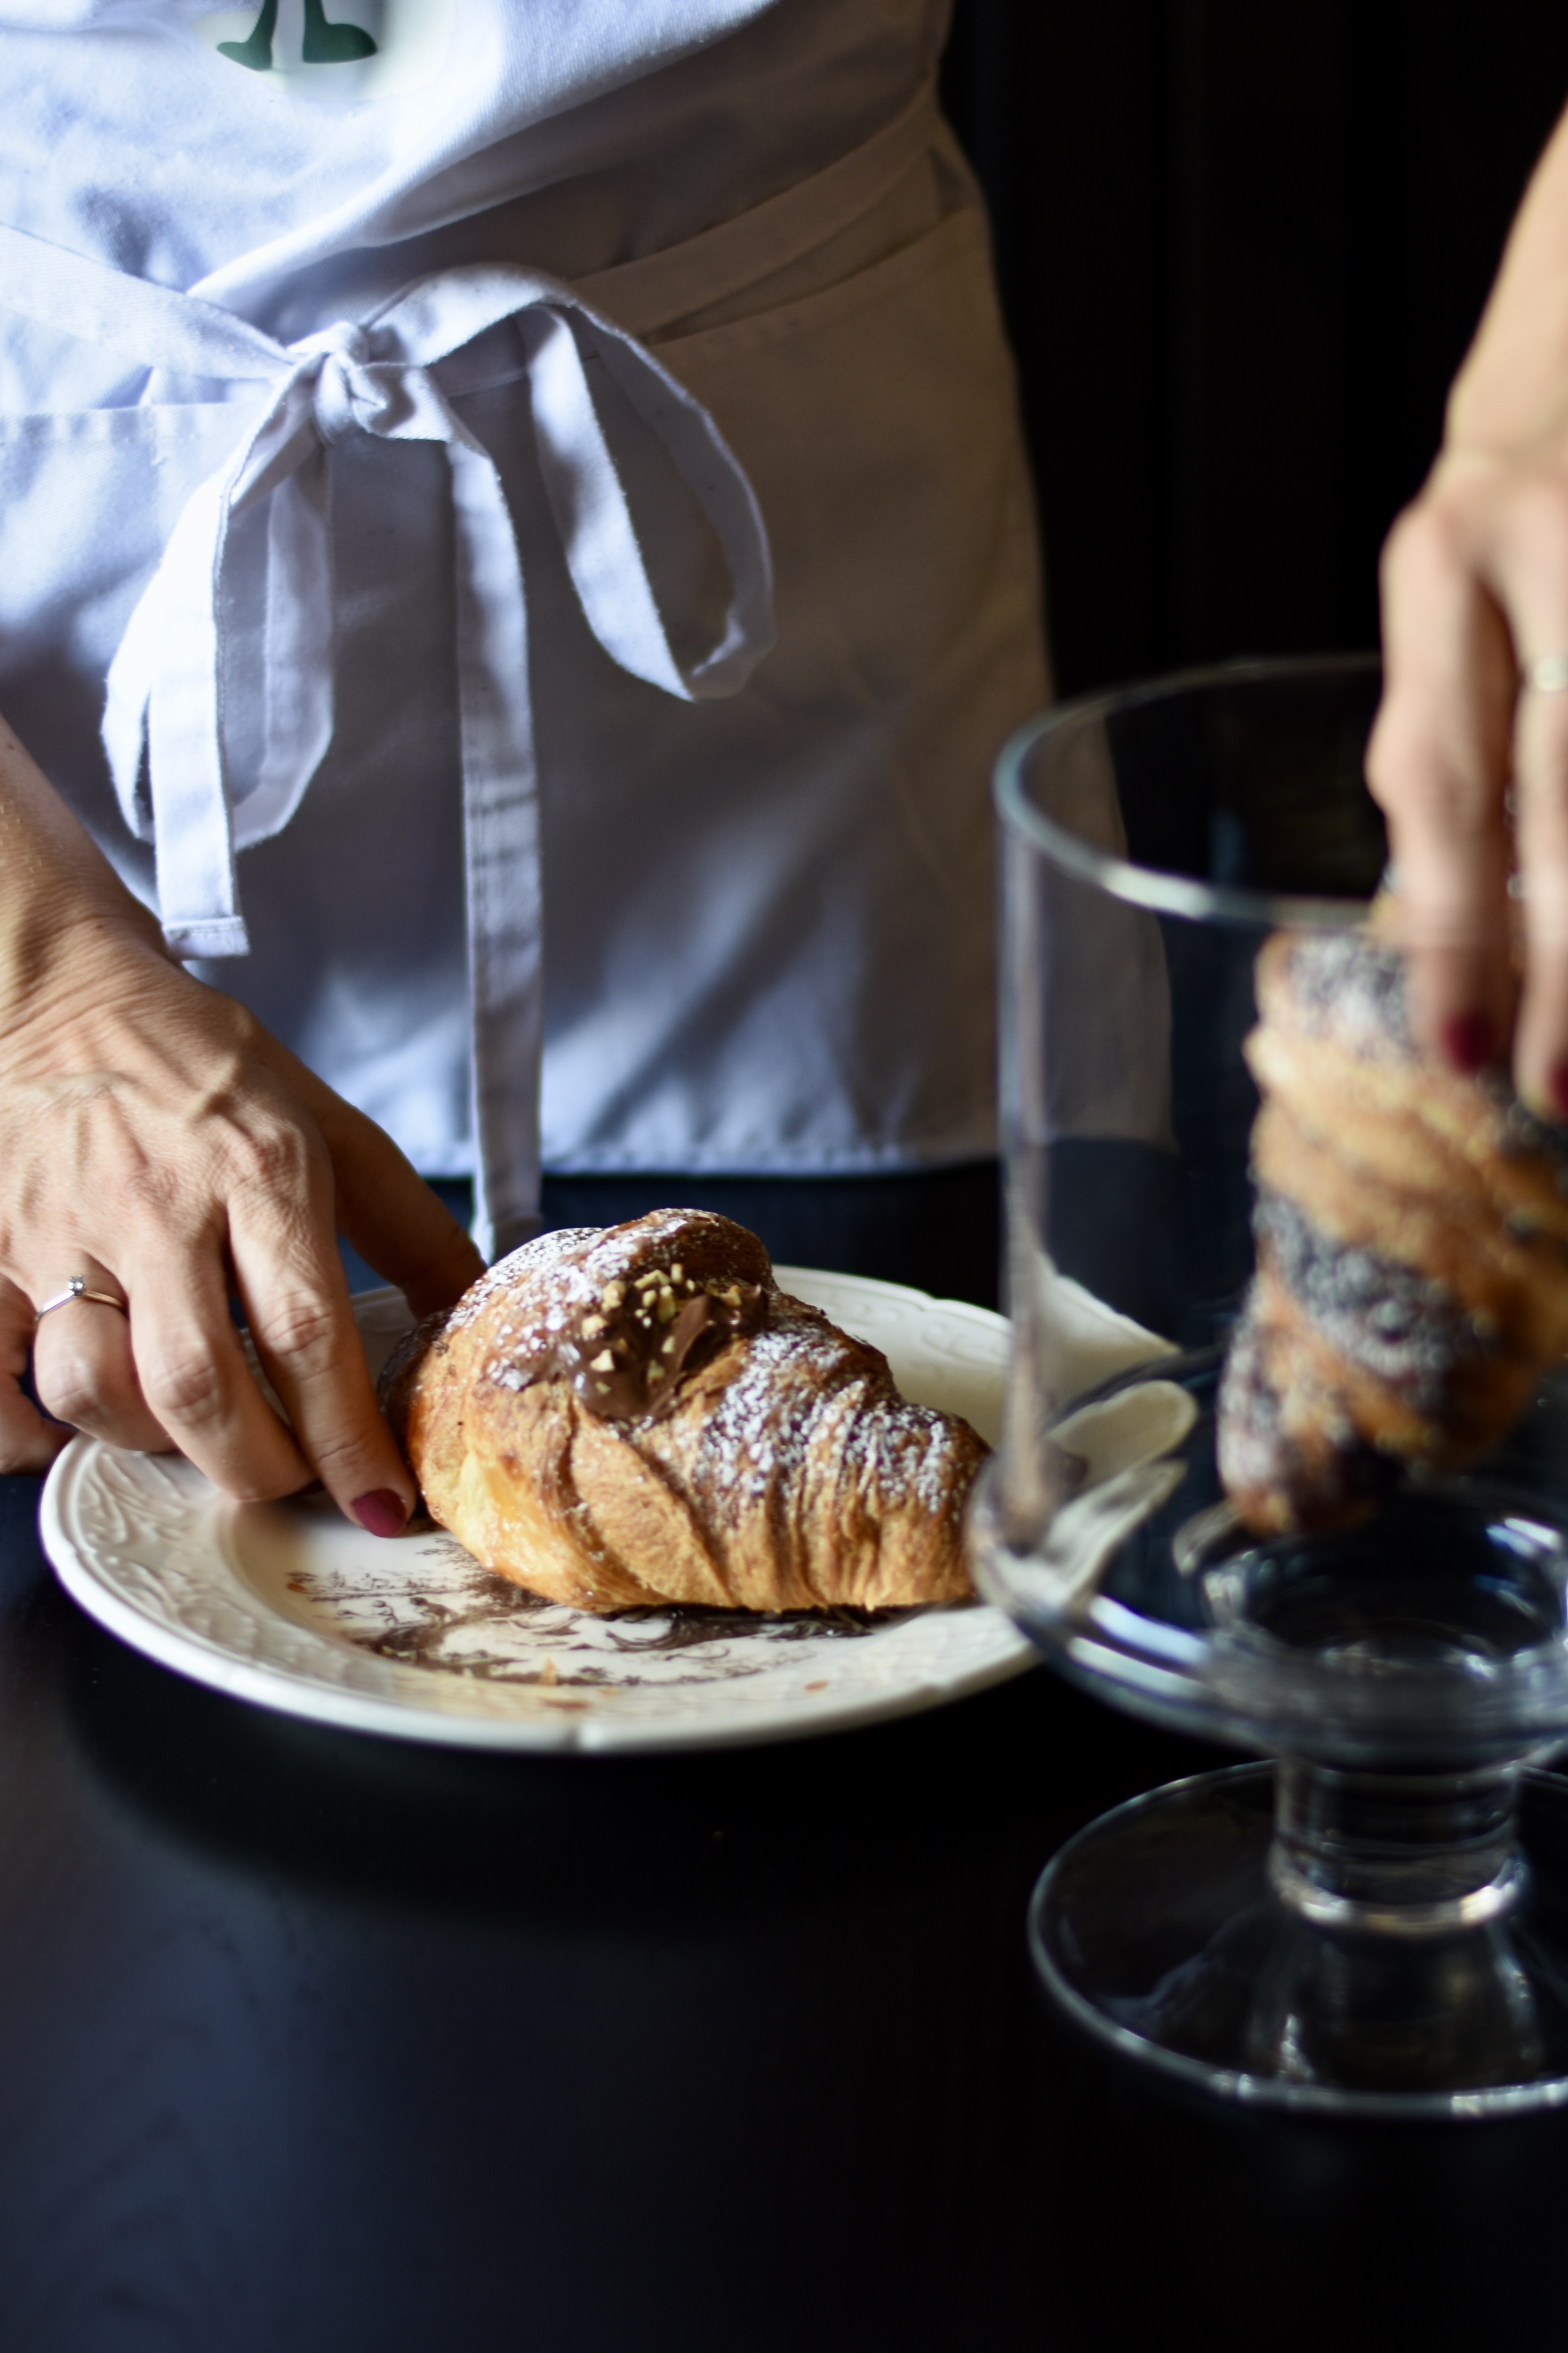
1469	1042
1557	1086
381	1512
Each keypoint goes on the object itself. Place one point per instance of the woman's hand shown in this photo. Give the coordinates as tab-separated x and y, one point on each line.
1475	593
1469	754
155	1141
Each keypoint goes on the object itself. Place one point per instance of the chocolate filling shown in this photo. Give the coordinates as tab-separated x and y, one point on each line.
630	1363
1320	1489
1409	1332
625	1349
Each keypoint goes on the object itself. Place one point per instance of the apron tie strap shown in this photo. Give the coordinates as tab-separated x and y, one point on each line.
394	375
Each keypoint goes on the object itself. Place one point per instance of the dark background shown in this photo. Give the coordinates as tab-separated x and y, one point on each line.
1243	244
325	2043
334	2045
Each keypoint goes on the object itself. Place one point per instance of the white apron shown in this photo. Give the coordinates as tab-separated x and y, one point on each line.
767	944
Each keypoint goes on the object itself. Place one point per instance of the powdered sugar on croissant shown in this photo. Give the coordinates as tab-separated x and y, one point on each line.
1412	1227
637	1415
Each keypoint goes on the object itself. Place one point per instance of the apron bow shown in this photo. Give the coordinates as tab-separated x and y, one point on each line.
395	375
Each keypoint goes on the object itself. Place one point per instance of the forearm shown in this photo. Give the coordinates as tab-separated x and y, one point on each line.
1469	753
1512	389
58	894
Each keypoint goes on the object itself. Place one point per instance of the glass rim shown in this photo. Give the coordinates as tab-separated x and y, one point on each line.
1151	886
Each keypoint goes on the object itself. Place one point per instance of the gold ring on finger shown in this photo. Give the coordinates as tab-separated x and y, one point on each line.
77	1288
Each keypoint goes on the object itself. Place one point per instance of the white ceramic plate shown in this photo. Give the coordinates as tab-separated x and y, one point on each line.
289	1604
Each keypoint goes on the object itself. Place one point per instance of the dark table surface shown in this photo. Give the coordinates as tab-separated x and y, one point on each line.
309	2040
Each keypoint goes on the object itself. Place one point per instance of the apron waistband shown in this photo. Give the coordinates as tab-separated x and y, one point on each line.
660	287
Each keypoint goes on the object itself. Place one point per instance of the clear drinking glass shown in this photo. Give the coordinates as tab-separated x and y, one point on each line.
1378	1921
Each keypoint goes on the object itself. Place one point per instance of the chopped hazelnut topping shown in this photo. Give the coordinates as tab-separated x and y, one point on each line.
668	1347
612	1295
654	1373
678	1273
591	1323
667	1307
604	1362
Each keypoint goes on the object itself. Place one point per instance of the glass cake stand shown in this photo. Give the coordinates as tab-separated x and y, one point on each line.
1377	1922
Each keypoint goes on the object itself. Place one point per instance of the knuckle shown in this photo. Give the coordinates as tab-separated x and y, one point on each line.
67	1392
246	1037
1411	767
1429	538
1391	771
339	1456
303	1331
185	1385
271	1159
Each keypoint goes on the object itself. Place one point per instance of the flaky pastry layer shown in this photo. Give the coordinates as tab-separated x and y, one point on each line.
778	1469
1412	1231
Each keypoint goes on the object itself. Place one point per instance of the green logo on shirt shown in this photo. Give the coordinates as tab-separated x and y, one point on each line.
322	45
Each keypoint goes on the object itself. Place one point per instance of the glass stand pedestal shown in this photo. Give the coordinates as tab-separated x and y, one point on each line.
1297	1936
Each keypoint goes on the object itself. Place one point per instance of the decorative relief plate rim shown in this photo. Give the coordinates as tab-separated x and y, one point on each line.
159	1558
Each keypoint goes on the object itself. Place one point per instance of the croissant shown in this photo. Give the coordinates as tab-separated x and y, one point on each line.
1412	1231
635	1415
